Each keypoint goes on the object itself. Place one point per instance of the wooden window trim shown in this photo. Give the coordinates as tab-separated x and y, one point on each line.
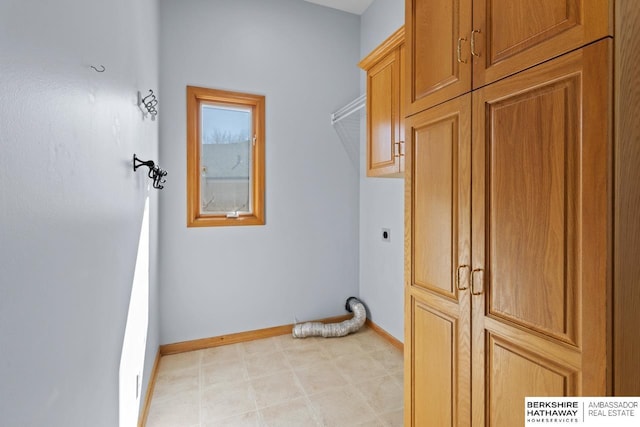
195	96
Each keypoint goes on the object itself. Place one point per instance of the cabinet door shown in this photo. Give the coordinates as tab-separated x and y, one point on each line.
435	72
511	35
383	116
437	312
541	215
402	107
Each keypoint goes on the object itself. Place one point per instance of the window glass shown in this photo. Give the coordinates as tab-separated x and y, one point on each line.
225	158
227	135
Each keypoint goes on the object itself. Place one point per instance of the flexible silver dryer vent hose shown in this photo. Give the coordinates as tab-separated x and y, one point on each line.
340	329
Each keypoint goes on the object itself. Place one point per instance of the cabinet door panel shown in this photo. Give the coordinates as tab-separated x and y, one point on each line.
437	226
402	107
435	234
540	203
434	348
440	196
434	74
533	160
514	374
382	102
531	22
517	34
438	362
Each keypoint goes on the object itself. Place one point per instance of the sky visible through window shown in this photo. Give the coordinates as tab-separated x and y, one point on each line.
225	125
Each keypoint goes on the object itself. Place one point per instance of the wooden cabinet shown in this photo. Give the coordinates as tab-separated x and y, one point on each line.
438	259
456	45
522	196
438	57
510	243
626	179
540	200
385	107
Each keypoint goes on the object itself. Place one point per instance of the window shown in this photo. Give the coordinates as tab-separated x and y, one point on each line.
225	158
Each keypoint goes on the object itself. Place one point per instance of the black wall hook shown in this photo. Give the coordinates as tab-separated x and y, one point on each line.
150	102
155	173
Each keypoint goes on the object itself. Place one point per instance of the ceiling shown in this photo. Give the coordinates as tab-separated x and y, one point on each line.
351	6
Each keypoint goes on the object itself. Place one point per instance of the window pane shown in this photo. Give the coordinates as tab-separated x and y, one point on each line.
225	158
226	144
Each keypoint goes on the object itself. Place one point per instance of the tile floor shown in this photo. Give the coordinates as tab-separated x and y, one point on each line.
282	381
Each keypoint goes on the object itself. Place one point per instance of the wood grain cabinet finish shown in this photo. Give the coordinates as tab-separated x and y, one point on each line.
511	192
540	200
437	301
456	45
385	107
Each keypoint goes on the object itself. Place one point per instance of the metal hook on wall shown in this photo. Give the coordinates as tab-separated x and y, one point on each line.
99	71
150	102
155	173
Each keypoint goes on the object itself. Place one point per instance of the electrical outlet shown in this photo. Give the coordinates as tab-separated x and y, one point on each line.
386	235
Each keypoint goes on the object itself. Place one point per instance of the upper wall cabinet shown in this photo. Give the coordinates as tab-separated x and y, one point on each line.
456	45
385	107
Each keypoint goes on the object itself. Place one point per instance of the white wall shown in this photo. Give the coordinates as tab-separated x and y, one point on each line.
304	261
70	205
381	200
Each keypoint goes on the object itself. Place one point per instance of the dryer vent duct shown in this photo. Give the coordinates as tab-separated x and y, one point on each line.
340	329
